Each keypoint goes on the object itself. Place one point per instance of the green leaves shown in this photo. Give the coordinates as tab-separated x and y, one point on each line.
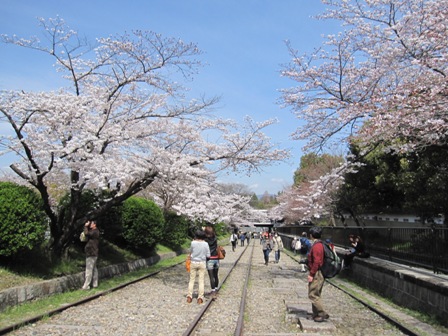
143	223
22	219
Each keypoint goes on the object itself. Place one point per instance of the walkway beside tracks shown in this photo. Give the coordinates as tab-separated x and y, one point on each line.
386	273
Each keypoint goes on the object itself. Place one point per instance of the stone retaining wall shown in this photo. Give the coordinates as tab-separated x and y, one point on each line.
17	295
421	291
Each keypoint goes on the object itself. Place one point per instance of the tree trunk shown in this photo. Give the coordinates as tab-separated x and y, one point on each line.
63	233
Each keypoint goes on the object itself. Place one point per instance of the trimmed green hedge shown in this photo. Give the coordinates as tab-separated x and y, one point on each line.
22	220
143	223
176	230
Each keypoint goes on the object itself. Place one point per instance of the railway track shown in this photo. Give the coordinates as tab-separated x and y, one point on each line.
253	299
207	316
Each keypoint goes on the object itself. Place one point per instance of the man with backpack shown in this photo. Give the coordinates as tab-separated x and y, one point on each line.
315	278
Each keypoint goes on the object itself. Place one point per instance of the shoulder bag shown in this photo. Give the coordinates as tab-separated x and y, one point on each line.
188	263
221	252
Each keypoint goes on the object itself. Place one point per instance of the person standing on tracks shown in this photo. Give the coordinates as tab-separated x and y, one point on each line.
267	248
315	278
233	240
278	246
199	251
91	249
242	238
212	261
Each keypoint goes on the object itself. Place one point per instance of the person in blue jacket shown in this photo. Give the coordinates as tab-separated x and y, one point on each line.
305	247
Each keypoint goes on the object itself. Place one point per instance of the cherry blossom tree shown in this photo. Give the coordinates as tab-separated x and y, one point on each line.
384	78
122	123
194	193
314	191
287	209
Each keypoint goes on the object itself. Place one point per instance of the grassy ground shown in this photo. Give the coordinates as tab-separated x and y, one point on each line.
23	312
37	267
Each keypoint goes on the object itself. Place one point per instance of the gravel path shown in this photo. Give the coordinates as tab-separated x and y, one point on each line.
277	294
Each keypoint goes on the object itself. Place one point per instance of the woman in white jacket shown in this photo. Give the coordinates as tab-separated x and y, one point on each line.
278	246
297	247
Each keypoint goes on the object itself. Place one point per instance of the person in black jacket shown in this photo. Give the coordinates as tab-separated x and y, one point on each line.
357	249
91	249
213	261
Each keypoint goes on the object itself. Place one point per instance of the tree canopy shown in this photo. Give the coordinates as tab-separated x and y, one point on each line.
383	78
122	123
414	183
313	189
382	82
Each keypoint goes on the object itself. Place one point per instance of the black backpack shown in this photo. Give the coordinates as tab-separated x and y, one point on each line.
332	263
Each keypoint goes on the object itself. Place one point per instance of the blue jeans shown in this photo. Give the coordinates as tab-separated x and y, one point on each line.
266	255
213	269
277	256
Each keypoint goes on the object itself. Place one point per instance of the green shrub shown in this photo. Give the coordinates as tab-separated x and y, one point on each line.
221	229
143	223
111	226
88	202
176	230
22	220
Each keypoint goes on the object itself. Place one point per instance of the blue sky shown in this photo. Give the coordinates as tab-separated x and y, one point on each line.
243	43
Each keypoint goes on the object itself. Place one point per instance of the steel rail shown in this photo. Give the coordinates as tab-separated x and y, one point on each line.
240	322
386	317
82	301
52	312
193	325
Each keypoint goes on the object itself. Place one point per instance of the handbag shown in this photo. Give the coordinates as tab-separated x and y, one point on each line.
188	263
221	252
